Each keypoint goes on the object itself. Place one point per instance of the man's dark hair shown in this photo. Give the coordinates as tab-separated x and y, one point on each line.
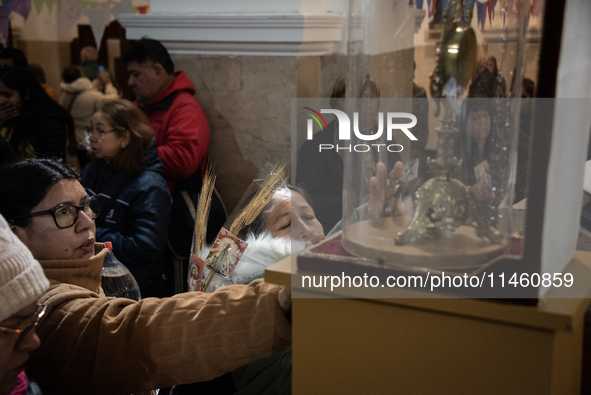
148	50
483	86
71	74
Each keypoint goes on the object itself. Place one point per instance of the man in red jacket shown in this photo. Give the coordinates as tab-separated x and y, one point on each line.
182	135
167	97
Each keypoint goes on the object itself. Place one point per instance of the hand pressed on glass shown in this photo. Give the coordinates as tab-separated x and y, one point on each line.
383	192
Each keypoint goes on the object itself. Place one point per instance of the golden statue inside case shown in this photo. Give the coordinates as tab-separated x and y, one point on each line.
443	205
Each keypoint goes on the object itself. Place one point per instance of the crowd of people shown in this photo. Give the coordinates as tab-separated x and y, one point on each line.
88	167
130	160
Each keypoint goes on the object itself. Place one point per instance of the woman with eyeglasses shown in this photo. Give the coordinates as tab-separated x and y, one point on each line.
94	344
80	97
135	201
22	283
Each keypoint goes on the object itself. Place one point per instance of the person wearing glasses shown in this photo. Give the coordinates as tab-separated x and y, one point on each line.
125	174
80	97
22	283
92	344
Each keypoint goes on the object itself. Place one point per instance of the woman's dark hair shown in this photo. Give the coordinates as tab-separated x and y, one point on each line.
339	89
71	74
37	104
124	118
19	59
148	50
258	226
495	72
529	87
24	184
467	146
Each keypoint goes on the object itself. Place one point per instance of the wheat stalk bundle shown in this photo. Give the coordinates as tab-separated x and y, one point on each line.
203	209
272	181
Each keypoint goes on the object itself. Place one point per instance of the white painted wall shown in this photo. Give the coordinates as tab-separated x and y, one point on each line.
572	123
247	7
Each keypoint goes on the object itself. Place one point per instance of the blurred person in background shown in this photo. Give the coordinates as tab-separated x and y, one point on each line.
91	69
80	97
39	73
499	83
33	124
134	197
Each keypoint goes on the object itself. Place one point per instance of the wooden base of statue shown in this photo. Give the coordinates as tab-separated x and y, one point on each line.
460	249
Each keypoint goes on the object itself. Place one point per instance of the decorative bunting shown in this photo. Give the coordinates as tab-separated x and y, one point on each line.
486	8
493	8
537	7
433	7
39	5
98	18
70	13
123	7
481	14
21	7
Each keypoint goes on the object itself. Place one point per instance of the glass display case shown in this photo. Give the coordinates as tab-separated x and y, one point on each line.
434	145
447	208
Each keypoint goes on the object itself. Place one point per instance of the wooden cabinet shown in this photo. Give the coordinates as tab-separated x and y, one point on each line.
438	345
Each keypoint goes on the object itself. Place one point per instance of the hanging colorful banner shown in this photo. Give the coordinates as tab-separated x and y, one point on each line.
39	5
123	7
21	7
70	13
481	14
98	19
486	8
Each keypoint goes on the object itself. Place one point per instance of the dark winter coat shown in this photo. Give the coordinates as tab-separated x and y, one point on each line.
135	212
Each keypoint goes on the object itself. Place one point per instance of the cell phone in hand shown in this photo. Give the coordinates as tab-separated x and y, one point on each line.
101	69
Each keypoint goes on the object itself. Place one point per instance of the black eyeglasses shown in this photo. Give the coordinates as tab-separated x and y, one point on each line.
66	215
26	332
101	133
